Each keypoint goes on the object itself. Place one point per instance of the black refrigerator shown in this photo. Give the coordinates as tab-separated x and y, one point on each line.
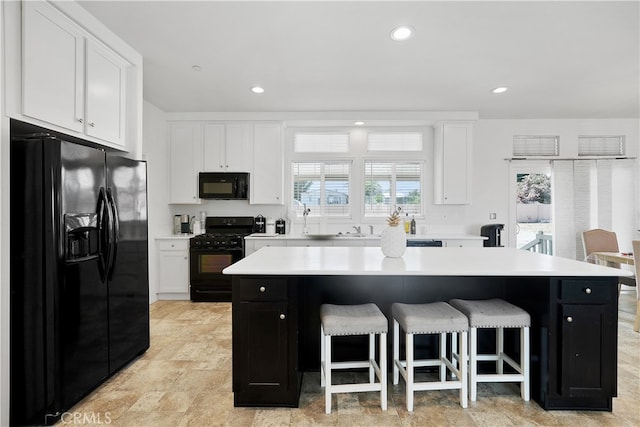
79	270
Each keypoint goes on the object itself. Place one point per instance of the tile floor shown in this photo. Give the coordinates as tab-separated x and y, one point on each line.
184	379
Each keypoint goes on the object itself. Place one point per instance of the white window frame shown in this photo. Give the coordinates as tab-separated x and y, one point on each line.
392	189
323	207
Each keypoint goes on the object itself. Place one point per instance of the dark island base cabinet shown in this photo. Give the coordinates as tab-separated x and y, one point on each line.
265	342
573	330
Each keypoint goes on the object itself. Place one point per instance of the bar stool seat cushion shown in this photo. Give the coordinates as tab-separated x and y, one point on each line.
492	313
433	318
360	319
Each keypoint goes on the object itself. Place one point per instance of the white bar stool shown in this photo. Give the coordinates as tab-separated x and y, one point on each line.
434	318
364	319
496	314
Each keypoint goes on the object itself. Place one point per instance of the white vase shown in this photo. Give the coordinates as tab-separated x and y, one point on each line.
393	242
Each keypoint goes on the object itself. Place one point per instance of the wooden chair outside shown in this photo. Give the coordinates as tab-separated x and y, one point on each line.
599	240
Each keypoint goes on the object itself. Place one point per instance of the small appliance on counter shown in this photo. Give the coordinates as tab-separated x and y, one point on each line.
185	224
493	232
259	225
281	227
271	226
177	227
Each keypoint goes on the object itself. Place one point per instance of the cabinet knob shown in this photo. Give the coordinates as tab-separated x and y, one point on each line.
91	124
569	319
80	120
587	291
262	289
186	257
282	316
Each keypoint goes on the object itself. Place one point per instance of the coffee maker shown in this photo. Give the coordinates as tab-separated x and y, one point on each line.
493	232
259	224
185	224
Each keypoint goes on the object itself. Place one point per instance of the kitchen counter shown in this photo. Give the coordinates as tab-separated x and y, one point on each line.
278	291
427	236
415	262
448	239
175	237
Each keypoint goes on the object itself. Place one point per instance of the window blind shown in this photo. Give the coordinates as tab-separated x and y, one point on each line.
601	145
535	145
396	141
321	142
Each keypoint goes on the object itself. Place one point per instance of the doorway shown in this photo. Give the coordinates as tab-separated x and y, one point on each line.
531	206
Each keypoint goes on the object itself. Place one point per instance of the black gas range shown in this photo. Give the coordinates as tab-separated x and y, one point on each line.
212	252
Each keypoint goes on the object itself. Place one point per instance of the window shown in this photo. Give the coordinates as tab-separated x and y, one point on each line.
392	184
321	142
601	145
535	145
397	141
322	186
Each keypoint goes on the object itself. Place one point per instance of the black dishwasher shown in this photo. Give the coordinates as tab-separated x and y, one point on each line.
422	243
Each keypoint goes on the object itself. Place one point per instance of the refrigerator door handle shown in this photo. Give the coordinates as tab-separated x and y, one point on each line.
103	230
115	232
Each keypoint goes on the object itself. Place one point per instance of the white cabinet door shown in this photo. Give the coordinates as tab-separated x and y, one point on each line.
105	94
268	166
238	147
173	257
185	161
227	147
52	67
452	162
214	148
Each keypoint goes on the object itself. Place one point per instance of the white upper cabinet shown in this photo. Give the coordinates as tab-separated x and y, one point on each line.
267	176
452	162
185	162
52	67
105	94
73	81
227	147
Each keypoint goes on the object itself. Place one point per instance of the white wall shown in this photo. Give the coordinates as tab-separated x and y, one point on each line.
155	153
492	145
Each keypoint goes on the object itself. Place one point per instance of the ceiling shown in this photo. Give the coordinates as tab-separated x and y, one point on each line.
560	59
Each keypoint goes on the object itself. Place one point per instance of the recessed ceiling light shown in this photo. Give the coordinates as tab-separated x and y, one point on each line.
500	89
358	123
402	32
196	67
257	89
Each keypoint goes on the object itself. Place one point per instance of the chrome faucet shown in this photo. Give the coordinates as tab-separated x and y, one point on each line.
305	213
357	228
371	229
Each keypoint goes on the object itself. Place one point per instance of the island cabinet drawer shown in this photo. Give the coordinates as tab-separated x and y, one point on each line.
256	289
586	291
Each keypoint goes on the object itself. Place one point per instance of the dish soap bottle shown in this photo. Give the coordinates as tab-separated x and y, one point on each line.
407	224
413	224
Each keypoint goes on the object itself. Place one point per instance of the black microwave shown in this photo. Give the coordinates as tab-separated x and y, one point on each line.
223	185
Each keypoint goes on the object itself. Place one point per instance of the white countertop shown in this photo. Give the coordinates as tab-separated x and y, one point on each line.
175	236
427	236
450	261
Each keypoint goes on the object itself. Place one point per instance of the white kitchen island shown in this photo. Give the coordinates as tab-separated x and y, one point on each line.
277	292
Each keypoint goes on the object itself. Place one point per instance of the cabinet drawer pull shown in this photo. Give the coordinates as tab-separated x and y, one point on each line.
262	289
587	291
569	319
282	316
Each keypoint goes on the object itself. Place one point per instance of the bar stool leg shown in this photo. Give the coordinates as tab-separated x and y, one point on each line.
499	350
396	350
473	368
327	387
383	371
443	355
322	366
463	369
524	362
454	350
409	382
372	357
